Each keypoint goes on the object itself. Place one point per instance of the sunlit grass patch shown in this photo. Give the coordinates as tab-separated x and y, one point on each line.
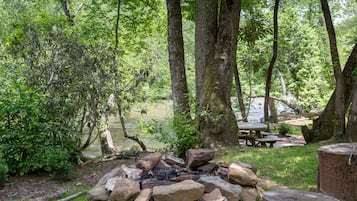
292	167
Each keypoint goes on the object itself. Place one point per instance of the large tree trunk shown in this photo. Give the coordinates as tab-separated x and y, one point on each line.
351	131
271	64
205	38
323	127
339	121
218	123
176	58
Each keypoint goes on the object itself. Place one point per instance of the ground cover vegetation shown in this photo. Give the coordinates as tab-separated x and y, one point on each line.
61	61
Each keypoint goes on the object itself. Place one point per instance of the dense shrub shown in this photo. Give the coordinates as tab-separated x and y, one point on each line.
4	170
284	129
31	139
179	136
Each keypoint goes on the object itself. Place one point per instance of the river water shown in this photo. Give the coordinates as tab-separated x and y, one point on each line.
161	111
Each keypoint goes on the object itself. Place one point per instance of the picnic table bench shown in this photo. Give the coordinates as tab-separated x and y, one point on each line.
270	141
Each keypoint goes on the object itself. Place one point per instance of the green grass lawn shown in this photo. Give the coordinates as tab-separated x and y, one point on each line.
292	167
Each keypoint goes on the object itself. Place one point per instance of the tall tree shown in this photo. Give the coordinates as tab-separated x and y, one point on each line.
322	128
236	72
215	47
176	58
272	62
339	122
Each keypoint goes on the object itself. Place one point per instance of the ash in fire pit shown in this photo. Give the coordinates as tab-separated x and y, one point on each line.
159	174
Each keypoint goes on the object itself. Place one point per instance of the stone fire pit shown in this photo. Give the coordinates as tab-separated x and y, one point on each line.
164	177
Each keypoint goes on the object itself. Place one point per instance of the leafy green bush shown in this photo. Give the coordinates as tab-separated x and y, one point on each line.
180	137
4	170
31	138
284	129
185	129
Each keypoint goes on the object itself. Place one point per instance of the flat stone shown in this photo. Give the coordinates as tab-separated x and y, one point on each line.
132	173
109	186
230	191
295	195
207	168
125	190
215	195
173	160
198	157
249	193
113	173
162	165
98	193
243	176
246	165
187	190
144	195
149	162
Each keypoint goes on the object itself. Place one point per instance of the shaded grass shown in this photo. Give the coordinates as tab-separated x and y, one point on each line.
292	167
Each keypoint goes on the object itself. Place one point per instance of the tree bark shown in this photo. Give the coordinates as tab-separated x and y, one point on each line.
282	83
351	130
176	58
271	64
236	72
218	123
239	94
106	141
339	121
322	127
205	38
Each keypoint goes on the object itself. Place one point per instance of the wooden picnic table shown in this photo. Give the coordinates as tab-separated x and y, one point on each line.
254	131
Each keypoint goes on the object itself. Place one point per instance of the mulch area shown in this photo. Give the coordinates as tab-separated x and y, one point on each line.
43	187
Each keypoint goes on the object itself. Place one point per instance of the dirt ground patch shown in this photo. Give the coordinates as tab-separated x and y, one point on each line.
44	187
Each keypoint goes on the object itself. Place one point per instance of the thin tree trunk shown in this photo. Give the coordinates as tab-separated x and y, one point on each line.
235	69
339	122
106	140
274	112
239	94
282	83
67	10
176	58
271	64
121	116
125	131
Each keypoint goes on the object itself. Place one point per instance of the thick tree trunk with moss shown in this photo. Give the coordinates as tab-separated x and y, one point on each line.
351	130
215	46
176	58
322	128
